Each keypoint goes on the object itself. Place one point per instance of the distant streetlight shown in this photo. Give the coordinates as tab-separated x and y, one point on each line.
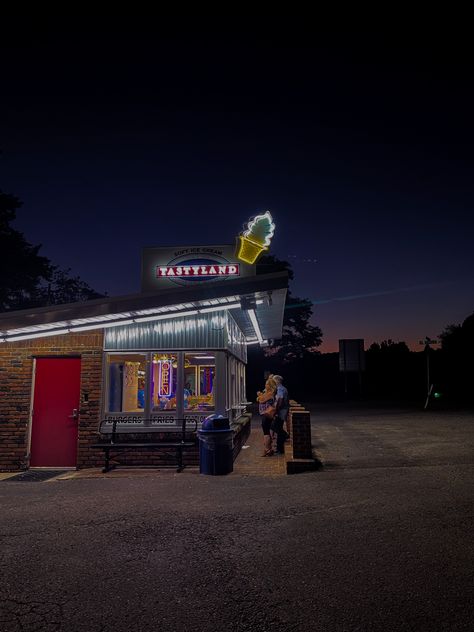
427	342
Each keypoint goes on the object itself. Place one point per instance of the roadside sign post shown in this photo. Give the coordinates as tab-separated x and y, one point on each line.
427	342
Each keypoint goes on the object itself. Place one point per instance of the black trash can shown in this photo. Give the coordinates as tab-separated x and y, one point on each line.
216	443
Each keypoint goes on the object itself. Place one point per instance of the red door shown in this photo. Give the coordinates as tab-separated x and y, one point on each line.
55	405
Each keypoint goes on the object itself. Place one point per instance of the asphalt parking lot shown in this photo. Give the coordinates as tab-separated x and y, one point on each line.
379	539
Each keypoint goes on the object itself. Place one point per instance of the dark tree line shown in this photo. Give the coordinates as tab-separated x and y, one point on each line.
396	372
457	360
27	278
393	373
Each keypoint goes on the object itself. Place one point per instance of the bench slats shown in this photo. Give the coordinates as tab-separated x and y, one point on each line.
112	444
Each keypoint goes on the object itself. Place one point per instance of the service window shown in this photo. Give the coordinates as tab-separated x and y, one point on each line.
164	376
199	381
126	382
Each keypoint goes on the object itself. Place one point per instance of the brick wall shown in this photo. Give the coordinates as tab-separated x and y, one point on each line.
241	433
299	427
16	372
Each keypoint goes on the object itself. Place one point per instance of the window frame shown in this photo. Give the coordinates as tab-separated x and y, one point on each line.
106	382
198	367
221	385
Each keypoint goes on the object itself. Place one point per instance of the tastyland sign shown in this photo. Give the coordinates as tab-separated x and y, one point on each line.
198	271
162	267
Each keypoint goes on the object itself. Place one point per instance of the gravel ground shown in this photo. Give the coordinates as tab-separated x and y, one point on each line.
380	539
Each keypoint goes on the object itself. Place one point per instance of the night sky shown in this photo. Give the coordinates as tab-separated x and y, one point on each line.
362	150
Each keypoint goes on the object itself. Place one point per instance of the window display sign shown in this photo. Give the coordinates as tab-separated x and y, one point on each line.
165	379
165	267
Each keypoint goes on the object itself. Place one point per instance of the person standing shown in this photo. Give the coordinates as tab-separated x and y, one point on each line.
266	408
282	408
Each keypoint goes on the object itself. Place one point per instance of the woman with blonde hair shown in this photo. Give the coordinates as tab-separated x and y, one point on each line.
266	408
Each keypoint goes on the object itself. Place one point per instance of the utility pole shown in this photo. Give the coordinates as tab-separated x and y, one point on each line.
427	342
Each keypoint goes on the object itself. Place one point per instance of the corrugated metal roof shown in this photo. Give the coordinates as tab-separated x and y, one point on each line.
217	330
267	291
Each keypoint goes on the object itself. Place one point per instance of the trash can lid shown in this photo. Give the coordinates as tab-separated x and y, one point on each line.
216	432
215	422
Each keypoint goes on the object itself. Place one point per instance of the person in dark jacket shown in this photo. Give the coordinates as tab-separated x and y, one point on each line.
282	408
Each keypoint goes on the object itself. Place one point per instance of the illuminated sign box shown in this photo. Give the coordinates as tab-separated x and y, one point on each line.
165	267
198	270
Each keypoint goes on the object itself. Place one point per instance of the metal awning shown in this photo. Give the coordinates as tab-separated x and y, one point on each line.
257	305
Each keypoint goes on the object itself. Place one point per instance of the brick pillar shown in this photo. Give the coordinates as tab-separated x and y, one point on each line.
294	407
301	434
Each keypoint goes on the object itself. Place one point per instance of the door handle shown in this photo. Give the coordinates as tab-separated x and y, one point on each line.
75	414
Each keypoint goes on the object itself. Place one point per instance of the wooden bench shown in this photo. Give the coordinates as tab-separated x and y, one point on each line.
126	441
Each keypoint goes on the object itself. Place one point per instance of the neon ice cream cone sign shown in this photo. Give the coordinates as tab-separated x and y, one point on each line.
256	238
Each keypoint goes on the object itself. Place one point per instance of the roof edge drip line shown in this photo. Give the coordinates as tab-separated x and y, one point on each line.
114	320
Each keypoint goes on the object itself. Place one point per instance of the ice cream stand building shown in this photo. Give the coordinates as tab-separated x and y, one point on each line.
177	350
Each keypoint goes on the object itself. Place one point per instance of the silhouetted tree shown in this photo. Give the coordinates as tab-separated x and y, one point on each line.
294	353
458	338
269	263
388	346
28	279
63	288
457	351
299	336
22	269
394	372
